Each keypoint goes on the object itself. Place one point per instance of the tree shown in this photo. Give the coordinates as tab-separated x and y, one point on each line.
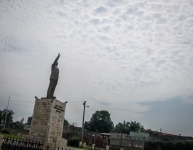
0	118
9	118
122	127
73	124
100	122
22	120
127	127
17	125
135	126
65	122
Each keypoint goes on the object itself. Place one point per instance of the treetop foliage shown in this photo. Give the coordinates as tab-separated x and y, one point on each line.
65	123
127	127
9	118
100	122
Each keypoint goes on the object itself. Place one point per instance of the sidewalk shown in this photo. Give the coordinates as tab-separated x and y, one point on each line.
68	148
72	148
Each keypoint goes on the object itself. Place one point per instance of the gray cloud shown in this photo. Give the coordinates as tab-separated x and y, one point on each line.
132	10
103	38
100	10
95	21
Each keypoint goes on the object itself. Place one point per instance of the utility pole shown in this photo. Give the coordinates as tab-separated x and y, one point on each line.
6	113
83	121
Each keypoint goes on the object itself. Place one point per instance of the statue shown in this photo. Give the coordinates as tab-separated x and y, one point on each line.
53	78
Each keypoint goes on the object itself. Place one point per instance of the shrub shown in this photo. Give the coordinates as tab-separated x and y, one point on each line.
87	148
163	145
5	131
11	136
169	146
73	141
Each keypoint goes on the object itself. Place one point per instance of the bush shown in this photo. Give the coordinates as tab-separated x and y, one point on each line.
163	145
5	131
11	136
73	141
87	148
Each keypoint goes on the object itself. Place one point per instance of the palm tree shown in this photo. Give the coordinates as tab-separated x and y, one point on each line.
135	126
127	127
122	127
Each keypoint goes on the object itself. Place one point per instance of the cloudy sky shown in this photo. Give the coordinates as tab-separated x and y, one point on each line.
132	58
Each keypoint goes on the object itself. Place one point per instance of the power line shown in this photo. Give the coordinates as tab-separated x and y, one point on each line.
76	102
18	100
34	102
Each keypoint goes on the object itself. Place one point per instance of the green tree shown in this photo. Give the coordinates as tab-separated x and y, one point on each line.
9	118
65	122
1	118
135	126
17	125
100	122
73	124
22	120
122	127
127	127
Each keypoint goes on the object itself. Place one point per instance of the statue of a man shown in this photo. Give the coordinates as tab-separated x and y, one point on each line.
53	78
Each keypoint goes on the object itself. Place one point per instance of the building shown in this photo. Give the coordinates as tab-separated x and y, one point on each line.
29	120
160	136
26	127
72	129
139	136
171	137
119	139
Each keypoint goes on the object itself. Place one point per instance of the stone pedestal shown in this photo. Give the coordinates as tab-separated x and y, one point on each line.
47	121
48	146
93	145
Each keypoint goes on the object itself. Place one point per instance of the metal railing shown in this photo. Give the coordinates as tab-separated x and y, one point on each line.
15	144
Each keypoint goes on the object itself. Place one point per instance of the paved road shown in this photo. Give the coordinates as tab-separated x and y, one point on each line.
69	148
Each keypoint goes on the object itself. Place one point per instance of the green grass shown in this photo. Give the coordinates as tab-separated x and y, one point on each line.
84	148
10	136
87	148
14	133
19	131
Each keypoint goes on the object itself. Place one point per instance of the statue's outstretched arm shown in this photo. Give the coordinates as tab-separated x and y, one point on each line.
56	60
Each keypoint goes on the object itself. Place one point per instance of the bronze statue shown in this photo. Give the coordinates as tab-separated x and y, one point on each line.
53	78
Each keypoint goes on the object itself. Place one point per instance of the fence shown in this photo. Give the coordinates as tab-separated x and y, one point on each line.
103	141
127	145
15	144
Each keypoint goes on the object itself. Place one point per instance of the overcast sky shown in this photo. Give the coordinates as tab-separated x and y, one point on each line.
131	58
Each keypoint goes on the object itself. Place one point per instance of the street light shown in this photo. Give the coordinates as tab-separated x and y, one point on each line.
65	104
65	109
84	104
6	112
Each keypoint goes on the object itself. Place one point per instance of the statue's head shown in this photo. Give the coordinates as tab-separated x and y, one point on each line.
56	63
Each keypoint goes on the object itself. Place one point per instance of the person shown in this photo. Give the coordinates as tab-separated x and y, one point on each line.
53	78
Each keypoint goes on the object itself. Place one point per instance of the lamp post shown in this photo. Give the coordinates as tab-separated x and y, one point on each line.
64	111
84	104
65	104
6	113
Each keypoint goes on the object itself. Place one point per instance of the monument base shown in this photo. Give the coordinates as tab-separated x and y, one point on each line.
60	142
47	122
